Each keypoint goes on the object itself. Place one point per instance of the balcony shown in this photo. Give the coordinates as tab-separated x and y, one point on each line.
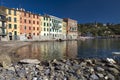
4	19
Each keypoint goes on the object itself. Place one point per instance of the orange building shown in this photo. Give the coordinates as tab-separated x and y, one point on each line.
29	24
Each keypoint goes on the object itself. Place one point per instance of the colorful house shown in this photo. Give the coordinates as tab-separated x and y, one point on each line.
72	30
13	17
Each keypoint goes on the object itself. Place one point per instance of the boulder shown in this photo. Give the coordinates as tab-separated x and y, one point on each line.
5	60
30	61
94	77
110	60
113	70
99	69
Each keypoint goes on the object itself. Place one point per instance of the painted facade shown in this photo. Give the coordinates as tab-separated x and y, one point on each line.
13	17
72	30
29	24
3	20
45	27
22	25
56	27
64	27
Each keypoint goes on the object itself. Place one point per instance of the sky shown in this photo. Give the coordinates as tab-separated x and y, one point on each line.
84	11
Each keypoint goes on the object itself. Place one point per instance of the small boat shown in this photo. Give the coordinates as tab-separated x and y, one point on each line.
116	53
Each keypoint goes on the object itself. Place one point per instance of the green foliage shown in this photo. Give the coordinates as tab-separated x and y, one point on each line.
98	29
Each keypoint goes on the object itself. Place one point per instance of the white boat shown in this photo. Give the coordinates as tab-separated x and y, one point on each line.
116	53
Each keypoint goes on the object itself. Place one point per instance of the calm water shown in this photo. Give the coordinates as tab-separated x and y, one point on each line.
100	48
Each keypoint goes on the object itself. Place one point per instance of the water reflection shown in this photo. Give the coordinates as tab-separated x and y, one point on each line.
98	48
48	50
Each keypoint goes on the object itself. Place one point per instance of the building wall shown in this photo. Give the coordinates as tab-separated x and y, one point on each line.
72	30
45	27
13	24
56	27
64	29
3	21
30	25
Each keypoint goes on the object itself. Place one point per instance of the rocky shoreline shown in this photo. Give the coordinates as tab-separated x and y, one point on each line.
66	69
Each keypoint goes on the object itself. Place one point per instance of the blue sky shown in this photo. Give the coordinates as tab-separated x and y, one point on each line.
83	11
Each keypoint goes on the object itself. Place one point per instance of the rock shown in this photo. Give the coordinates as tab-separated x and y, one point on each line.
110	60
40	67
111	76
72	78
78	72
106	77
99	69
45	78
11	68
23	78
100	75
113	70
94	77
83	64
89	62
68	62
30	61
47	72
5	60
34	78
91	70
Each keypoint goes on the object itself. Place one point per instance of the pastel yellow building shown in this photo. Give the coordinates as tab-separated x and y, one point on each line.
13	23
64	25
45	27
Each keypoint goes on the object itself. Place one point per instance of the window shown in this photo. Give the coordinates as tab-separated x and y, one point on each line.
9	11
33	28
47	24
44	18
29	28
24	14
15	32
44	24
44	34
29	14
25	27
9	19
44	29
37	22
10	26
15	26
33	22
33	16
37	33
33	33
15	12
47	29
37	28
50	24
29	21
24	20
47	19
15	20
